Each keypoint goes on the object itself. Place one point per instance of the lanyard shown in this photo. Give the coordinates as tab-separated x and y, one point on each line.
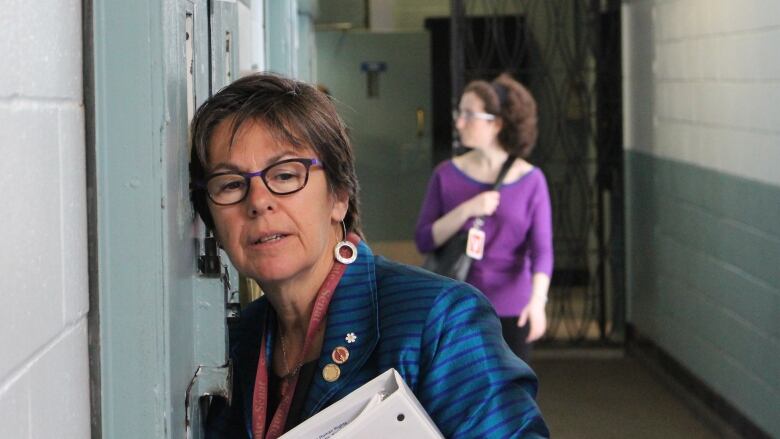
260	396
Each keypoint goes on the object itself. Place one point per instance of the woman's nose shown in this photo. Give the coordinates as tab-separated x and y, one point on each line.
259	198
460	122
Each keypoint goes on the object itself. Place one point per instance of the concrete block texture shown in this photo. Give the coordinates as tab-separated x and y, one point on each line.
31	304
73	211
705	284
59	386
713	68
15	409
728	16
42	42
44	371
46	398
705	190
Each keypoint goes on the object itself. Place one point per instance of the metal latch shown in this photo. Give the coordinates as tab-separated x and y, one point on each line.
207	383
208	263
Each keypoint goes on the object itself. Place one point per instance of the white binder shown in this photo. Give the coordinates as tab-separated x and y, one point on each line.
383	408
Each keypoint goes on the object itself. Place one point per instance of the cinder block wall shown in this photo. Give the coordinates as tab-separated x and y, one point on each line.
702	142
44	375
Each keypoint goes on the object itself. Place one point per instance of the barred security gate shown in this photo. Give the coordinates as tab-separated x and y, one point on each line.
568	54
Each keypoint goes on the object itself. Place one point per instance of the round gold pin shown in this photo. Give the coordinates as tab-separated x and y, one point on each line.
340	355
331	372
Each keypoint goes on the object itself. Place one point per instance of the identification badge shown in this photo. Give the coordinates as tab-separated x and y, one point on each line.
475	246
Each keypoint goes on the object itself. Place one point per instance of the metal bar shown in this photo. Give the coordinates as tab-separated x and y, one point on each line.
457	67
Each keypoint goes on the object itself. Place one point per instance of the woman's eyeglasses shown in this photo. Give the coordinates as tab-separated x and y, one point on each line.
281	178
470	115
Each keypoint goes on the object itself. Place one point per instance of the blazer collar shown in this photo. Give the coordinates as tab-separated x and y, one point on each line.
353	322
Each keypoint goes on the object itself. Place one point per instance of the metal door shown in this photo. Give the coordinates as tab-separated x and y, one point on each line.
157	321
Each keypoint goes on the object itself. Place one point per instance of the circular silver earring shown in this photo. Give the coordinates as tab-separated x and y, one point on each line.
345	246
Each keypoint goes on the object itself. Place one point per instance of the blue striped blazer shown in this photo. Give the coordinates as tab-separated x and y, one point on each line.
442	337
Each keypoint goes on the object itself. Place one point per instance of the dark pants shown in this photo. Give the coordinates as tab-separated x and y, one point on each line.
515	337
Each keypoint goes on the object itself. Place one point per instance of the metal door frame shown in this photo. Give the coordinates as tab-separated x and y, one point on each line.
147	300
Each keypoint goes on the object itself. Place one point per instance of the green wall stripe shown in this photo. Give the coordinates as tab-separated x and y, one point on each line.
747	393
724	284
727	196
704	278
733	243
758	355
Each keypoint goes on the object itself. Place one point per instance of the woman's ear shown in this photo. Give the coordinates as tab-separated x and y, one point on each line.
340	206
498	124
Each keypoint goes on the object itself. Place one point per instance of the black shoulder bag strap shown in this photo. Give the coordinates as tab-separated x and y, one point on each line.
451	258
502	173
478	221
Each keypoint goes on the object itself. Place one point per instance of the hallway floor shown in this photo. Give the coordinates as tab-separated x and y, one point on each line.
605	394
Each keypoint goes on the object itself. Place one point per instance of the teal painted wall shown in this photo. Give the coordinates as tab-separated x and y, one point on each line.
157	319
393	158
704	277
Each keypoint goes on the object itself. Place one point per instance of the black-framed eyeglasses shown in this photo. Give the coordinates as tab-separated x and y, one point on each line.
281	178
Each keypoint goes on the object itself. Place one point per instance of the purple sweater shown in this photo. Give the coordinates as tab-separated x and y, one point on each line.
518	236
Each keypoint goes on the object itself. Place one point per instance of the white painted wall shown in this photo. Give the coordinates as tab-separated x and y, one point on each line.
702	83
44	374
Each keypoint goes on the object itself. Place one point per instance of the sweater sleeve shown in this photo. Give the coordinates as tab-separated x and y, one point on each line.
430	211
540	233
471	384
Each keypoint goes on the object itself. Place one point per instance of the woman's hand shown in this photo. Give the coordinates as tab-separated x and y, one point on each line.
483	204
445	227
535	314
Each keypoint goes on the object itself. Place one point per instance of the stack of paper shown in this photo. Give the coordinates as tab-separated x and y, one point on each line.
382	408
